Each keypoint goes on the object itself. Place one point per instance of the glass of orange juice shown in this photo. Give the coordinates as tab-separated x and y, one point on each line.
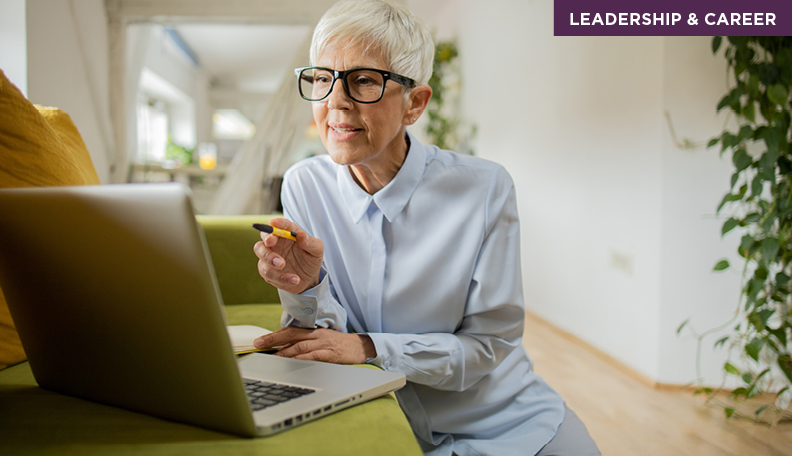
207	155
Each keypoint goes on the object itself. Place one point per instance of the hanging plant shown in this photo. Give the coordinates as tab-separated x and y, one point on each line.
444	128
760	206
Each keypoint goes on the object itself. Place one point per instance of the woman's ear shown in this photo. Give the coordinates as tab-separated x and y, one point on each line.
416	103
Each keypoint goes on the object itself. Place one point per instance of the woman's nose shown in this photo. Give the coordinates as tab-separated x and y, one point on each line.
338	98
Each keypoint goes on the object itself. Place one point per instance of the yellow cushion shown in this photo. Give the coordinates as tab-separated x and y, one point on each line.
36	152
33	153
62	123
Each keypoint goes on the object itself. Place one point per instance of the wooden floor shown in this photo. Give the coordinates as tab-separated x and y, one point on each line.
626	416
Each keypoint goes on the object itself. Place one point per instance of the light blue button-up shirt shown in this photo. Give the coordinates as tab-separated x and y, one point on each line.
429	268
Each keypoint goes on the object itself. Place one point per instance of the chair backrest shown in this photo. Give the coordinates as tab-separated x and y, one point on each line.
231	240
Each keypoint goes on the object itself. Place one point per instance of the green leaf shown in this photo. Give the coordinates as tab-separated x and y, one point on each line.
729	198
746	132
729	411
729	368
753	348
735	177
741	391
770	248
729	225
716	42
749	111
724	102
712	142
753	86
784	166
778	94
721	341
746	243
747	378
761	273
763	373
741	159
722	265
779	334
684	323
759	321
782	279
774	138
785	363
768	73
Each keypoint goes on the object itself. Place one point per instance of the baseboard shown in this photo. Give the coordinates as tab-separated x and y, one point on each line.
610	360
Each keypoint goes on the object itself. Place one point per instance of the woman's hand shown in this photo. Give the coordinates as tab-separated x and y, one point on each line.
292	266
319	345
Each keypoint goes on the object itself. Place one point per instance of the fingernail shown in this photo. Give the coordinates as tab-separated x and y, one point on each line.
294	280
277	262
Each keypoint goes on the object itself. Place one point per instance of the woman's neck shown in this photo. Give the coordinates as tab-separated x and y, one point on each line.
373	177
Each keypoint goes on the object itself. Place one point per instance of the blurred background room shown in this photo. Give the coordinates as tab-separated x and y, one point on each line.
605	138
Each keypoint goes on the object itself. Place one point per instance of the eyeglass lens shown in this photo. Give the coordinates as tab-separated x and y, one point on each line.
364	85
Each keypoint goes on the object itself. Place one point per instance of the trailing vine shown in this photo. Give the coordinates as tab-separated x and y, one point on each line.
760	205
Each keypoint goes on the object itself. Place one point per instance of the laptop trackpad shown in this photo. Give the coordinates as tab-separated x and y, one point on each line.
270	365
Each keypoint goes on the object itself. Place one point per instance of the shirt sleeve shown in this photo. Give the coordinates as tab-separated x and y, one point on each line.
493	322
315	307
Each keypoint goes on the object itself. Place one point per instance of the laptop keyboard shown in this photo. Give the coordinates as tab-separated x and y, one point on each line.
266	394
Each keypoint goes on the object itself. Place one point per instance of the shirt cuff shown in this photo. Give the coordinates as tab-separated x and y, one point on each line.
389	351
300	309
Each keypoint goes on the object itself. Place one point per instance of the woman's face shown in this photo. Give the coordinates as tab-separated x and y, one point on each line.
358	133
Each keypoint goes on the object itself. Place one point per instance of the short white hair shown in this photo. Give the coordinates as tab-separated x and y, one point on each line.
405	41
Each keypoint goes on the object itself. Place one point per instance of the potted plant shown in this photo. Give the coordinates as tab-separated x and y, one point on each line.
760	207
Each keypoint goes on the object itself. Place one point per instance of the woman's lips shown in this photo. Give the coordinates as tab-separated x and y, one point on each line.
342	131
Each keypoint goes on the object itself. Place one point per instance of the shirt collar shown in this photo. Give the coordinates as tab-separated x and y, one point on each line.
392	198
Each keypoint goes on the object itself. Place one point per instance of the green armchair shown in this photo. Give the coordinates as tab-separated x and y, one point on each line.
36	421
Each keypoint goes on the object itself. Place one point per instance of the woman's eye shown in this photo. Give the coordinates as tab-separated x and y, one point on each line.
364	80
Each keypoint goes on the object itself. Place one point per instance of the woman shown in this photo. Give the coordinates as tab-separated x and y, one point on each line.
412	261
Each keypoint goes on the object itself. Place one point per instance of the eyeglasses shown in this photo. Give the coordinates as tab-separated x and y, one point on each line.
364	85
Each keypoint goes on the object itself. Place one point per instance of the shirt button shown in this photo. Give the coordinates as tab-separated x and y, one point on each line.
386	364
308	311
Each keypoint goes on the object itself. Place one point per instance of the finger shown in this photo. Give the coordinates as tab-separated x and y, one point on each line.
300	348
311	245
268	239
284	224
284	336
283	280
268	256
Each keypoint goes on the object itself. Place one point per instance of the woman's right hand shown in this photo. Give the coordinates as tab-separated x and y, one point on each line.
286	264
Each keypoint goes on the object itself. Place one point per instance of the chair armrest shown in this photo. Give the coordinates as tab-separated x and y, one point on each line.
231	240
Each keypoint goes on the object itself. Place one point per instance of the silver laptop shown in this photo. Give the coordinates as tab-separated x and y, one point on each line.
115	299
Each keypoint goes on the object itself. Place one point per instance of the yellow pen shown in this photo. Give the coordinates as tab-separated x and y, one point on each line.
276	231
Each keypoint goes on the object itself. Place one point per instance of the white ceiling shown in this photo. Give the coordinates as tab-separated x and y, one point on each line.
252	58
245	57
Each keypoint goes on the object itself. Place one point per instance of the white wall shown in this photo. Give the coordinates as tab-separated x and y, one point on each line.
618	238
184	86
13	42
694	182
68	68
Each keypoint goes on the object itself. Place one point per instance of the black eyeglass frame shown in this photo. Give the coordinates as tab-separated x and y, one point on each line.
342	75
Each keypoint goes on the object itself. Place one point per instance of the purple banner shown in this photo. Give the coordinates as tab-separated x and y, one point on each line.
672	17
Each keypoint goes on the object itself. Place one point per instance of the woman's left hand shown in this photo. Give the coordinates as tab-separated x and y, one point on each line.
320	345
